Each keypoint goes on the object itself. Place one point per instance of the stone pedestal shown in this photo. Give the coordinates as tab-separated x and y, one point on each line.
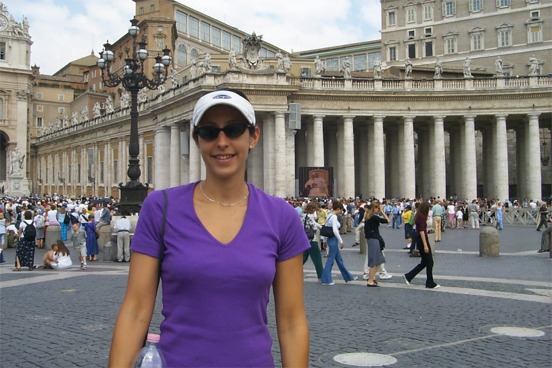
489	242
52	235
18	186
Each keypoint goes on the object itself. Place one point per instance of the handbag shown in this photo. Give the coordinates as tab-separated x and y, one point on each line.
327	231
308	230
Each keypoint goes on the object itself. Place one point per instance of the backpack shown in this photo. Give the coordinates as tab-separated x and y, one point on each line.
308	230
29	234
39	221
67	220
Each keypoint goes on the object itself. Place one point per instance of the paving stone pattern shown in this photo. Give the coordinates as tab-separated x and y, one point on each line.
65	319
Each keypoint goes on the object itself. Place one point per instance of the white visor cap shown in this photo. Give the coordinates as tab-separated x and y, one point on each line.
223	97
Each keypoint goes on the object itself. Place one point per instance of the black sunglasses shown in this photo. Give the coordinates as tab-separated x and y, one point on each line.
232	131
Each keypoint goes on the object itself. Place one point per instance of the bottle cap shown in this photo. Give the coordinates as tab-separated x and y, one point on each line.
153	338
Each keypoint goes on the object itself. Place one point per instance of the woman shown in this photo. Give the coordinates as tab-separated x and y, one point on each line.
64	222
334	244
451	215
309	220
24	254
91	240
62	258
373	217
408	230
225	244
2	236
39	223
422	241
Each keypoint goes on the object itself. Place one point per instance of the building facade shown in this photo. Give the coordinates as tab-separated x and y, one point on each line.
375	134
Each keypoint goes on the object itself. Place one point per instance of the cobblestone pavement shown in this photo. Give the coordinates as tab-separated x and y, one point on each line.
65	319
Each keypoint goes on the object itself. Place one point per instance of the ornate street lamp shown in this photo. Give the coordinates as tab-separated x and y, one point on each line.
133	80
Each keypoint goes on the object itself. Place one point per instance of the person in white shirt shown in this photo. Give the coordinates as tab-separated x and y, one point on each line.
122	227
62	258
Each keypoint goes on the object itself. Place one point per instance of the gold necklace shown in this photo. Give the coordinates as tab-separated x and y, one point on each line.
221	203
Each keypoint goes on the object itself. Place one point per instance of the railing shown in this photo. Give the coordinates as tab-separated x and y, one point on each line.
512	216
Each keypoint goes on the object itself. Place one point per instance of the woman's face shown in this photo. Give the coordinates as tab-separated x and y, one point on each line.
224	156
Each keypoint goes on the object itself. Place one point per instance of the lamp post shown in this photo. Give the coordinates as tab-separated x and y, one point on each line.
133	79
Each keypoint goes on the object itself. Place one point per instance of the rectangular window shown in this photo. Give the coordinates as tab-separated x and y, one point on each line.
477	42
61	110
205	32
535	14
449	8
428	12
226	40
360	62
39	95
410	33
101	172
152	8
503	3
450	45
2	51
61	97
38	121
305	72
193	24
410	15
392	53
504	37
476	5
39	108
215	36
93	72
391	19
428	48
428	31
535	33
236	43
78	173
412	51
150	169
69	167
332	64
181	22
115	171
141	10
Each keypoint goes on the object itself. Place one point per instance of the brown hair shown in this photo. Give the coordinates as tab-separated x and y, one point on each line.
423	210
62	249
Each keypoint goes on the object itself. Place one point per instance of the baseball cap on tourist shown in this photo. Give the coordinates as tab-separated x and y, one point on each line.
223	97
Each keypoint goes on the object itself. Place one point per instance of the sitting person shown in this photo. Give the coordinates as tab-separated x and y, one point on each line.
62	259
49	257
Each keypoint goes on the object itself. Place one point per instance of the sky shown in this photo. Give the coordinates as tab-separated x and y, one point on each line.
66	30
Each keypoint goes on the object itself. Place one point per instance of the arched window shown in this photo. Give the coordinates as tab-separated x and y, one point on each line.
194	54
182	58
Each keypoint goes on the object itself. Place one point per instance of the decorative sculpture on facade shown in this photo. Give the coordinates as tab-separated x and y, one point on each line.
318	67
74	118
109	105
174	78
467	68
346	69
125	100
408	68
142	96
232	59
193	69
533	66
251	48
84	114
377	69
16	162
438	69
499	67
96	110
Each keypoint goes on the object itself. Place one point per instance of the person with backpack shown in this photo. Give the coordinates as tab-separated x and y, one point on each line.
24	254
39	224
310	225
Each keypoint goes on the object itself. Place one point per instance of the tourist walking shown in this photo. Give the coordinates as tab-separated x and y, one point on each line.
543	213
422	241
334	244
374	216
309	222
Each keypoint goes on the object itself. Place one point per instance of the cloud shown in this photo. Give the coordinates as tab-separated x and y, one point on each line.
63	30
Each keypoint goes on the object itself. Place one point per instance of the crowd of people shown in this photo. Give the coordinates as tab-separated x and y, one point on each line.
24	221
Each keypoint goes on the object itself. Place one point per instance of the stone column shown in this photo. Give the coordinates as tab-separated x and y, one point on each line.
489	157
408	172
438	174
123	161
161	152
521	161
268	153
377	161
306	137
279	153
174	159
533	164
501	159
469	167
194	159
108	180
318	141
348	188
290	163
424	160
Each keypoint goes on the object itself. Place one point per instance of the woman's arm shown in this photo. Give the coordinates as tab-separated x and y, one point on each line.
424	241
135	314
291	320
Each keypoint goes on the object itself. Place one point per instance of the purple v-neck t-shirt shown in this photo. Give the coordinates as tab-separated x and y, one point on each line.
215	295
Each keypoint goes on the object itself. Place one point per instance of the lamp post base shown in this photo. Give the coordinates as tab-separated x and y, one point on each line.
133	194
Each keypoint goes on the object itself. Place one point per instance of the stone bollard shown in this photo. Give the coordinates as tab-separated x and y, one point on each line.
489	242
52	235
109	252
363	245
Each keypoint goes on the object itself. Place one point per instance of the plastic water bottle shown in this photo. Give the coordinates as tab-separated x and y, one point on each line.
150	356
